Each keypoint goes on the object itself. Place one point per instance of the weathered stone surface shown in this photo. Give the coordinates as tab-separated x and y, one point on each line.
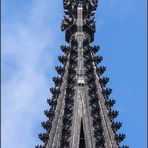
81	114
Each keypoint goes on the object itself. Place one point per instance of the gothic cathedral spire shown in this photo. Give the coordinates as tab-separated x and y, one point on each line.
80	113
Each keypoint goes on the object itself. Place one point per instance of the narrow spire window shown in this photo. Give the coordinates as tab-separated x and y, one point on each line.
82	139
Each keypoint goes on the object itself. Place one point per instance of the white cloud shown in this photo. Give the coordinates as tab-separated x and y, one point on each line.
27	52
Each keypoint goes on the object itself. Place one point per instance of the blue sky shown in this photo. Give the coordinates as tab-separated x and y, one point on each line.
31	38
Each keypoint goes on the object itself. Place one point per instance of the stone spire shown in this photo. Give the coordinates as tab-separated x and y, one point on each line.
80	113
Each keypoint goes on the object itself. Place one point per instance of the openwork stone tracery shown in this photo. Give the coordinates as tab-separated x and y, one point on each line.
80	114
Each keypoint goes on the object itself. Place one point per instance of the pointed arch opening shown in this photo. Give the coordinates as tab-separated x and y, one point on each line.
82	138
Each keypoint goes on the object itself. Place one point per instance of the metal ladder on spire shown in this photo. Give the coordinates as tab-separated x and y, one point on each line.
80	38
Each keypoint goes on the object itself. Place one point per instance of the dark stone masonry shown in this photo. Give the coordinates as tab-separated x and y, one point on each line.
80	113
